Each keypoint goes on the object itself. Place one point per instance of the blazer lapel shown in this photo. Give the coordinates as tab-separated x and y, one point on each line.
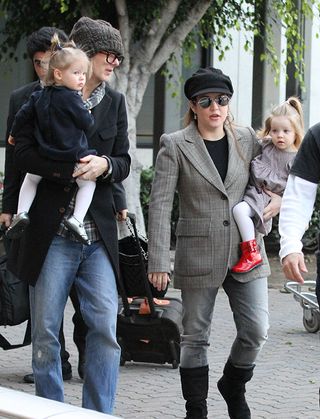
233	161
196	152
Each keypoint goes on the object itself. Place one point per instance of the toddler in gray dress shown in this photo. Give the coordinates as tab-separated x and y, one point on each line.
280	139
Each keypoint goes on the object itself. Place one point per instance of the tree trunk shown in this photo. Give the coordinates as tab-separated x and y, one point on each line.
132	183
134	87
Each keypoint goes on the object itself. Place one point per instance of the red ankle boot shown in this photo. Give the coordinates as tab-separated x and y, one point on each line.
250	257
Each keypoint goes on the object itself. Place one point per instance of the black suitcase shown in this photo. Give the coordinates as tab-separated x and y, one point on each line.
153	337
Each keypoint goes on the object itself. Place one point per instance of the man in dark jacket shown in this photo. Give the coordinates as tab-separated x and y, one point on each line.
38	49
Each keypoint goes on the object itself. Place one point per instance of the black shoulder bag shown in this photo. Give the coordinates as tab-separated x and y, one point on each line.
14	304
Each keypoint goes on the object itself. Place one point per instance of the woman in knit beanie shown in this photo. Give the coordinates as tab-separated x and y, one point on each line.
93	36
58	261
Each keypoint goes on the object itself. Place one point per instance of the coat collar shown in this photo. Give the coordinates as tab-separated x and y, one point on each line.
195	150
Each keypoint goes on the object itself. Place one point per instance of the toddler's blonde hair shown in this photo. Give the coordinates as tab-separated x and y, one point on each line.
62	56
291	109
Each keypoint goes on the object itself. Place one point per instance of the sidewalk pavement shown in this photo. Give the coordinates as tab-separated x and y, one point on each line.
285	384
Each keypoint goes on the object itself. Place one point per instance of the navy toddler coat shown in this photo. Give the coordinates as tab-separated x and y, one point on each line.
61	121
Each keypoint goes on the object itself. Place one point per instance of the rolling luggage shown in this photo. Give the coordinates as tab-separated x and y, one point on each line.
148	329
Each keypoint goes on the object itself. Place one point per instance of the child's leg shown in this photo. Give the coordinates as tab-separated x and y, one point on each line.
28	192
83	198
242	214
250	254
26	196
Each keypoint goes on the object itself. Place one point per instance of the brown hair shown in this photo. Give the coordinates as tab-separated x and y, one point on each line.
291	109
62	56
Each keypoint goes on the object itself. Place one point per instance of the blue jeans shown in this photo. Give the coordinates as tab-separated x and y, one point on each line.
249	305
89	268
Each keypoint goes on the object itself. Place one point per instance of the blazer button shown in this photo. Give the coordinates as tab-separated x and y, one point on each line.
66	189
226	223
62	210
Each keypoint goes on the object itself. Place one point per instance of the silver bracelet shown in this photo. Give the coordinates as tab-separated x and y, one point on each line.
108	172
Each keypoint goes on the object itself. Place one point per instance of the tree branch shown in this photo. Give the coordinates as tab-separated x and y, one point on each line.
178	35
124	26
158	28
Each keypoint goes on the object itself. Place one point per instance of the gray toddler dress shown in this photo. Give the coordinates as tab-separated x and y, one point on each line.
269	170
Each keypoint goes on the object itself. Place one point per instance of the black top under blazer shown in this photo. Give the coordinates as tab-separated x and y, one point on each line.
109	137
61	121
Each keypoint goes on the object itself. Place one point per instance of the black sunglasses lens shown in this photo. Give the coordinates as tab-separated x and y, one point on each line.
223	100
205	102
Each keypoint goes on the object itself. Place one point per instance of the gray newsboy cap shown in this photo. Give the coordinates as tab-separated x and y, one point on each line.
208	80
97	35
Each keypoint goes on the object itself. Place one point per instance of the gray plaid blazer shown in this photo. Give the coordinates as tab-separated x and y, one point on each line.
207	236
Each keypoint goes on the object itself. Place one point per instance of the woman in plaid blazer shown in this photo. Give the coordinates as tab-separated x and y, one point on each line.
208	164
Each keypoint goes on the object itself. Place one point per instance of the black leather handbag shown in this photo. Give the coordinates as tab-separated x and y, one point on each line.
14	304
133	259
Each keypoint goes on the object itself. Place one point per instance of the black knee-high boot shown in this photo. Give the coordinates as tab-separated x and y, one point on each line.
232	386
194	384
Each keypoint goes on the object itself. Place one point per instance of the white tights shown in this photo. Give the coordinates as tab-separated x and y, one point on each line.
83	198
243	214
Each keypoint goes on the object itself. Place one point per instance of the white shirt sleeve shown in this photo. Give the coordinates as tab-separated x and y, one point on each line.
295	213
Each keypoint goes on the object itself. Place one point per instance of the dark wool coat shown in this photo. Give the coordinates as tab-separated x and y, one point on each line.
13	175
109	137
61	122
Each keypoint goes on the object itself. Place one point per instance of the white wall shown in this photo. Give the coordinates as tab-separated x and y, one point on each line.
238	65
312	80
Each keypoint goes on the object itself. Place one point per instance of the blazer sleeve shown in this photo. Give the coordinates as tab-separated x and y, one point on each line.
160	207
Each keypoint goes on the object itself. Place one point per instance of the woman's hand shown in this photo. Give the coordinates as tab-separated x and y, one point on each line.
90	167
159	280
5	219
122	215
273	208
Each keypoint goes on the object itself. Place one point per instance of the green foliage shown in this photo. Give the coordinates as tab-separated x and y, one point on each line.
145	192
1	189
22	18
146	178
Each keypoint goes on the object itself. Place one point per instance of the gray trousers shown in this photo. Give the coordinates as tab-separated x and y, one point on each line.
249	305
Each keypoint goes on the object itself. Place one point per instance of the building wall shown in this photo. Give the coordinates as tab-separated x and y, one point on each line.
311	96
238	65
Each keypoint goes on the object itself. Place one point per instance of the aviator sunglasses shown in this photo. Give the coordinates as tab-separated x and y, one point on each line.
207	101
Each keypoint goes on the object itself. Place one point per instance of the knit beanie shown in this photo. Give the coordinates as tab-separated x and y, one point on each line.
93	36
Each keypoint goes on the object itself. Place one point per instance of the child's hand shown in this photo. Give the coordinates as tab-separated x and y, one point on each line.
273	208
11	140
